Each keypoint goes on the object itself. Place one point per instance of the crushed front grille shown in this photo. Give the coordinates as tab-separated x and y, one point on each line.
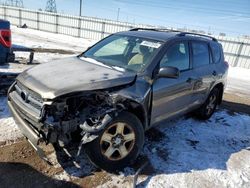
29	97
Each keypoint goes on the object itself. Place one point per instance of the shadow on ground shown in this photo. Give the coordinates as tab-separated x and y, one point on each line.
236	107
23	176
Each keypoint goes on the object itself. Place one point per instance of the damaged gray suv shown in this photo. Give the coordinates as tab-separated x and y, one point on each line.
116	90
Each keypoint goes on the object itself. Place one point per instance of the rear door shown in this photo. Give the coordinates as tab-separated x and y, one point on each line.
173	96
203	69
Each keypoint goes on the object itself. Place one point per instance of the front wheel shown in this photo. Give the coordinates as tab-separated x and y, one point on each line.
208	108
119	144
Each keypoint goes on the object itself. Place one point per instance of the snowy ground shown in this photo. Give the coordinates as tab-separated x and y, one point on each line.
39	39
239	81
187	153
182	153
52	43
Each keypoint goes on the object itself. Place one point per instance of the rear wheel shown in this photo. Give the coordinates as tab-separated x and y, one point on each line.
119	144
208	108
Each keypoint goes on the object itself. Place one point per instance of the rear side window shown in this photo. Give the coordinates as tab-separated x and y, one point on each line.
200	54
216	51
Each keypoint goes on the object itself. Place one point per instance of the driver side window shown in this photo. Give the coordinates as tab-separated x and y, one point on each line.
177	55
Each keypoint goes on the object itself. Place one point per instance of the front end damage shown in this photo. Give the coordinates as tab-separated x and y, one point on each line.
85	114
79	115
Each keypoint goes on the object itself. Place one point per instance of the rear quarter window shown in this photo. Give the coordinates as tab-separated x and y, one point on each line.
216	51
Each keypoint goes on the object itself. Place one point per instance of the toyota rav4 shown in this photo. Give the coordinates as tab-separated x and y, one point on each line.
117	89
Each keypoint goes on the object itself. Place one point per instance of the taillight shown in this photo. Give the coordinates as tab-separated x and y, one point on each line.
5	38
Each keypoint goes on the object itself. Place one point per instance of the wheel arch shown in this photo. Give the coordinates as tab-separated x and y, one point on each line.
139	111
220	87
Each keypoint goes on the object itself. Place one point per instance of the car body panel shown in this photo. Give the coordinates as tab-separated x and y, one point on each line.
171	96
54	79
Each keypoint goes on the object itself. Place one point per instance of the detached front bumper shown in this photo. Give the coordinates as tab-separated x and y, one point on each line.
32	136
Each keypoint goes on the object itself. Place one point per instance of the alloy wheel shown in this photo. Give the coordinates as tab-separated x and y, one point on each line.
117	141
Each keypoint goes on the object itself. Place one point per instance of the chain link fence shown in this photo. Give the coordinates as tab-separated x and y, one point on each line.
237	49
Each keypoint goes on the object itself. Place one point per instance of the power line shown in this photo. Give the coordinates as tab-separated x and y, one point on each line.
210	6
51	6
194	6
165	22
187	7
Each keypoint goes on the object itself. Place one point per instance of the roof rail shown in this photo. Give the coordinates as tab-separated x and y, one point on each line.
146	29
180	33
197	34
153	29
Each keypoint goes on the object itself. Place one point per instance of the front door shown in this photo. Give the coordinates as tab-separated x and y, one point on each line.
172	96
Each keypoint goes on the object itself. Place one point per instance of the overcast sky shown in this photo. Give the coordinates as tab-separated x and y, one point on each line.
228	16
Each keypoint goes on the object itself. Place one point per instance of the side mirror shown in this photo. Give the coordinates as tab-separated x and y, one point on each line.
168	72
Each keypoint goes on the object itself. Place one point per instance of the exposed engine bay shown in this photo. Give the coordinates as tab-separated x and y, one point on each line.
86	114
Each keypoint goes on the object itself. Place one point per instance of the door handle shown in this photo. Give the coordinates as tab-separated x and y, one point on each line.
214	73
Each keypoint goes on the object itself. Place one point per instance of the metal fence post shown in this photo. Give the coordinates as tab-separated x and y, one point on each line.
103	29
79	27
57	17
238	54
37	20
4	12
20	17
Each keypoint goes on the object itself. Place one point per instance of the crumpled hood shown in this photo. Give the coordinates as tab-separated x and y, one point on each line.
69	75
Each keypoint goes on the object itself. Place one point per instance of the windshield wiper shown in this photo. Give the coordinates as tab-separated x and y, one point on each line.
116	68
97	61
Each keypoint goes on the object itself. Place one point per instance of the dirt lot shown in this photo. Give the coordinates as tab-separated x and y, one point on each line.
20	166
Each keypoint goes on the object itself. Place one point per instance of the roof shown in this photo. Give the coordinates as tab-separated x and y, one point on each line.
164	35
155	35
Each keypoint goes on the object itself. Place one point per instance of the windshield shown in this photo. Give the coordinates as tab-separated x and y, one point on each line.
127	52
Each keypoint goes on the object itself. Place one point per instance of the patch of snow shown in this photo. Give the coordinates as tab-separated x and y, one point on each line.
40	39
239	73
238	81
9	131
193	153
202	154
62	176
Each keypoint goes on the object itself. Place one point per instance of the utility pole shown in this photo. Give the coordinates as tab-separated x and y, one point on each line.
118	14
14	3
80	14
51	6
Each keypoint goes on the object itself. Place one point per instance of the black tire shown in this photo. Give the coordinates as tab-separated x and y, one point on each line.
207	109
95	150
